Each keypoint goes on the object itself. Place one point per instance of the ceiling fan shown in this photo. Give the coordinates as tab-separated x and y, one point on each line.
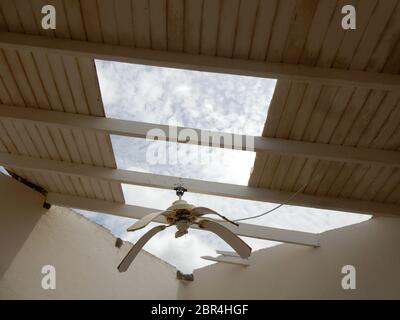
182	214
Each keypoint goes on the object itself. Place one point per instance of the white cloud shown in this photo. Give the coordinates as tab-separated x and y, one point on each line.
179	97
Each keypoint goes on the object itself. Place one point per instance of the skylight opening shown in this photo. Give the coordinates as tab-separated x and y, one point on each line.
182	160
209	101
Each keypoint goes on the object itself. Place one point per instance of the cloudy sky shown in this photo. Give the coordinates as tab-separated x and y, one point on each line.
218	102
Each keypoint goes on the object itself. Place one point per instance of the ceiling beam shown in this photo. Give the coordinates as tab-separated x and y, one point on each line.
303	73
137	212
144	130
196	186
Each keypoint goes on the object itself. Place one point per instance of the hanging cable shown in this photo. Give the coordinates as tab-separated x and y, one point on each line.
275	208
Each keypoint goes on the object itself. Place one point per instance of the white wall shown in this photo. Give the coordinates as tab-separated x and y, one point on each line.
86	258
295	272
83	253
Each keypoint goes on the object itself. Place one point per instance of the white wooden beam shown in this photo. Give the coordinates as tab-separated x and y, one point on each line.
137	212
329	76
196	186
202	137
228	259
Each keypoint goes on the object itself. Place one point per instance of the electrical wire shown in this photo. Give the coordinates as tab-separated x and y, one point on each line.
275	208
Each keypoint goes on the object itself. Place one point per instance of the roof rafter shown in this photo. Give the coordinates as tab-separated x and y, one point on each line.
196	186
137	212
202	137
329	76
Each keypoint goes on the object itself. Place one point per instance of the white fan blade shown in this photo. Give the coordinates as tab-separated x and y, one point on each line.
201	211
228	236
126	262
146	220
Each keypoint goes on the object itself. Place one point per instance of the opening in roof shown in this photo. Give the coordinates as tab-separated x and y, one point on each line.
220	102
203	100
211	101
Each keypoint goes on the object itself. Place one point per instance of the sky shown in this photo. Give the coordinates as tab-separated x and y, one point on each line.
220	102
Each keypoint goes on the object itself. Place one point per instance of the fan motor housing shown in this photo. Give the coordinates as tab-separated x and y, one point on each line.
181	210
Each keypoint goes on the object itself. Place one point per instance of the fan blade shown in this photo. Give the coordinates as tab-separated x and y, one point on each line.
228	236
146	220
201	211
126	262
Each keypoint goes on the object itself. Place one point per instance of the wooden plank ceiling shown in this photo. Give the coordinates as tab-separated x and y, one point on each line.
337	115
53	82
292	31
